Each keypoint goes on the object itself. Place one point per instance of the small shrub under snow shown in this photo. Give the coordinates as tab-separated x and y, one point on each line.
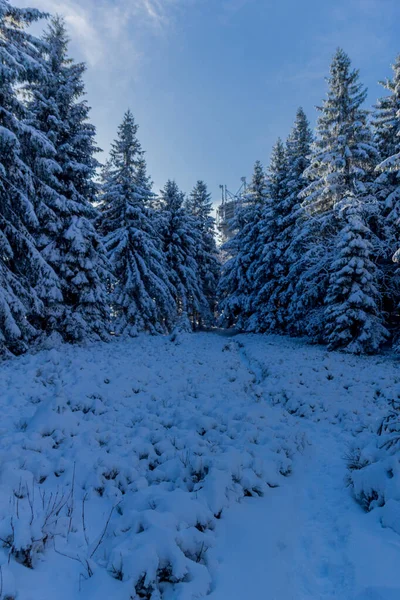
120	460
375	469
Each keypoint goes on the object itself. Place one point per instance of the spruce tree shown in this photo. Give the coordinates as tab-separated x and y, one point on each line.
235	290
181	240
387	223
267	266
141	294
342	163
353	320
25	276
199	205
66	194
298	147
387	129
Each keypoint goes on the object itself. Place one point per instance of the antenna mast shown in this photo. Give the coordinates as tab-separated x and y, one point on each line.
226	211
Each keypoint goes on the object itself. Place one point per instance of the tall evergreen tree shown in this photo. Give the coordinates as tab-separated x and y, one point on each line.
298	148
25	276
236	283
387	124
342	163
268	252
199	205
387	135
142	294
353	322
65	197
180	242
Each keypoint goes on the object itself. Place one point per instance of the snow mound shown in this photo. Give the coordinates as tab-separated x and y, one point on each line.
118	460
375	470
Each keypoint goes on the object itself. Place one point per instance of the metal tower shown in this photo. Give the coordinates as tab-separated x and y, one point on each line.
226	211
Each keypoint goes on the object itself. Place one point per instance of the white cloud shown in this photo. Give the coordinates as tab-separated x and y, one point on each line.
105	29
233	6
155	11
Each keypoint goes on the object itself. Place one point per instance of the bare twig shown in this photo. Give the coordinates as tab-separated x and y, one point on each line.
105	529
83	519
30	502
64	554
71	508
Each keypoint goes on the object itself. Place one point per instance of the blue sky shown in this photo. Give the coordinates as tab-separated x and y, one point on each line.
213	83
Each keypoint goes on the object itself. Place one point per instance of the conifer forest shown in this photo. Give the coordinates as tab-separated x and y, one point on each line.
192	411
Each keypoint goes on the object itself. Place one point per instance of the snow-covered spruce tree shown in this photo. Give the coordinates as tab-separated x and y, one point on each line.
199	205
24	275
342	164
141	296
298	147
233	286
387	135
236	281
66	235
267	267
352	316
181	239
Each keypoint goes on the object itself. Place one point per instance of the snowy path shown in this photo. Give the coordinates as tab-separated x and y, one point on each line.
175	434
307	540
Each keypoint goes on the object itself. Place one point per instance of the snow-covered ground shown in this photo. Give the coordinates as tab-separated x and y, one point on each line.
211	464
